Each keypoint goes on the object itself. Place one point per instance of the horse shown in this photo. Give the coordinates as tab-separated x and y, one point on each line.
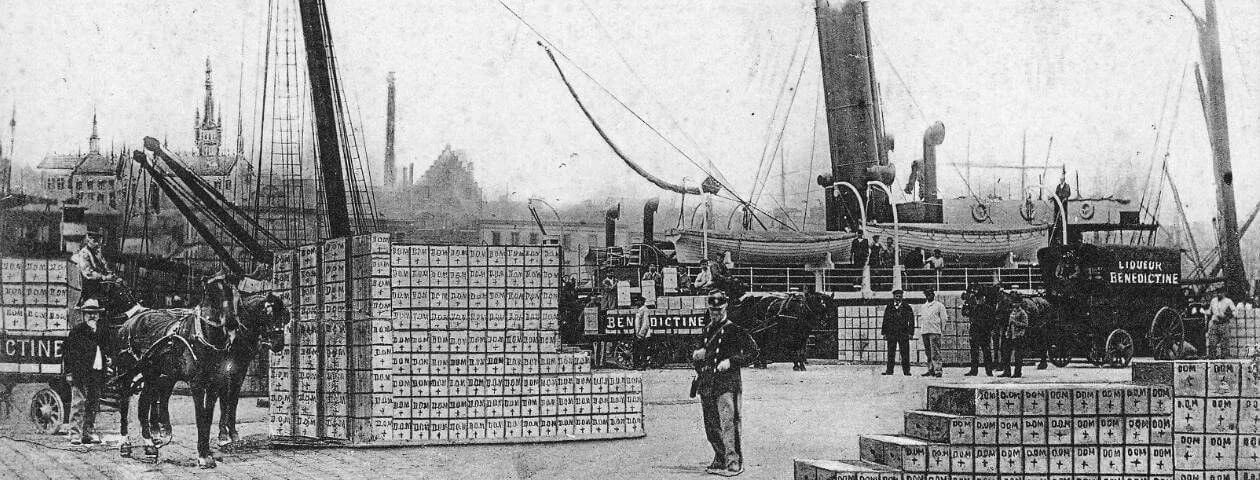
159	347
1041	316
263	317
780	323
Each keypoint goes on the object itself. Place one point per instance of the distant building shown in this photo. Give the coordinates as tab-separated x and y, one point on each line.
94	180
445	198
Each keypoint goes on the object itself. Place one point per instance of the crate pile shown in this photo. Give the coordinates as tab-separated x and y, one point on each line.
1027	431
416	344
860	340
1216	415
36	312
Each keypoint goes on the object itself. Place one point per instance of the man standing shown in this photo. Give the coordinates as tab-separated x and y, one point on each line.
897	328
727	347
876	252
642	332
860	250
1013	343
932	324
84	365
94	271
1220	312
980	316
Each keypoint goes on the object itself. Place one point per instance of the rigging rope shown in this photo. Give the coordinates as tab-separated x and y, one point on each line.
712	173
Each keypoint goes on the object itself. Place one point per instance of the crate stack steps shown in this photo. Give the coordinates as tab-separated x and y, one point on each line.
453	344
1025	431
1216	416
37	299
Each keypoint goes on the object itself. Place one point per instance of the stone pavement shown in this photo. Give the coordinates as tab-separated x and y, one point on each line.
814	414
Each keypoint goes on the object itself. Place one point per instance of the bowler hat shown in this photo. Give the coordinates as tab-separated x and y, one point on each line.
91	305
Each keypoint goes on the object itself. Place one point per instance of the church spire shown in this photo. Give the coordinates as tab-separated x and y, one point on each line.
209	109
94	141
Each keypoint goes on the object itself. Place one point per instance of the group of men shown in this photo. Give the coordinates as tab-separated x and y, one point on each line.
900	322
879	253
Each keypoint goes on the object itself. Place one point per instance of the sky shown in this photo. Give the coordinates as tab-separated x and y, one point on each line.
1102	78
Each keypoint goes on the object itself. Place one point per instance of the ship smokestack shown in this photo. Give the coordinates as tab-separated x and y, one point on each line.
649	217
390	174
858	146
610	225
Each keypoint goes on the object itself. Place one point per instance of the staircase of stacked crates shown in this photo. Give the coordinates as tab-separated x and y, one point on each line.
1183	420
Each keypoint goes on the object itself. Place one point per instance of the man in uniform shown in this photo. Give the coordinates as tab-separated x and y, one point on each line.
727	347
1220	312
84	364
94	271
897	328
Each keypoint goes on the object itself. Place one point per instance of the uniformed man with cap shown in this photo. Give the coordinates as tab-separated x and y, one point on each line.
84	363
727	347
94	271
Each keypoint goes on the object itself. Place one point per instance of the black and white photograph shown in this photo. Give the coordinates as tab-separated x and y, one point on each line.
630	239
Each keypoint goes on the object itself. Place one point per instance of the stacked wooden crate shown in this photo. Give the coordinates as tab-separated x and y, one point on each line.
37	299
1216	415
1028	431
454	344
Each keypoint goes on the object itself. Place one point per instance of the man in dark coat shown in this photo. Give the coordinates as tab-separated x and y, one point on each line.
980	314
860	250
897	329
727	347
84	364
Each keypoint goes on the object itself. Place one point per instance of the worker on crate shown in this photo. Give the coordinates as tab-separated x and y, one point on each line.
99	280
84	364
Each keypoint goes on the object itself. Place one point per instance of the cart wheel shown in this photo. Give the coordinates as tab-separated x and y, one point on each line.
47	410
1060	355
1167	333
1119	349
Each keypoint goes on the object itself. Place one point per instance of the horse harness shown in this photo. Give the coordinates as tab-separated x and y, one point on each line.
177	329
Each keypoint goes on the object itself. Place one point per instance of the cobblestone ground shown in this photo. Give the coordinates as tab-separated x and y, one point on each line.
816	414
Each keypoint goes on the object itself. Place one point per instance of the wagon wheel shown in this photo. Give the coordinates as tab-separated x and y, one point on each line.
47	410
1167	333
1119	348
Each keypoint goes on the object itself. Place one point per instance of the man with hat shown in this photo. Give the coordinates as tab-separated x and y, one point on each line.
727	347
84	364
897	329
94	270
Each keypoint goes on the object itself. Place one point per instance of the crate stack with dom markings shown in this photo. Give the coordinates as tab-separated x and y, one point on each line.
37	299
448	344
1216	416
282	377
1027	431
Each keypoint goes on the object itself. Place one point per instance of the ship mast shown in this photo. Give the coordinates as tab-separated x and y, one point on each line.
1211	82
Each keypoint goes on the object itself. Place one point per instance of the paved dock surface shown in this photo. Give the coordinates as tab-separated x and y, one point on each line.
786	415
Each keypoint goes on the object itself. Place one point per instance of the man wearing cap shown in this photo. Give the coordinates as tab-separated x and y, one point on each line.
897	329
1220	312
931	325
94	271
84	364
727	347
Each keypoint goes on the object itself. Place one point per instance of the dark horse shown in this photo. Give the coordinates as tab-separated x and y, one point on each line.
159	347
781	323
262	320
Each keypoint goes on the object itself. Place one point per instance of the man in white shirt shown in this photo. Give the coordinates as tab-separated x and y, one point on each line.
932	317
1220	312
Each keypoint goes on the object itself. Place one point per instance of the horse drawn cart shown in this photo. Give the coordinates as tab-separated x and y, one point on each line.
36	313
1112	302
